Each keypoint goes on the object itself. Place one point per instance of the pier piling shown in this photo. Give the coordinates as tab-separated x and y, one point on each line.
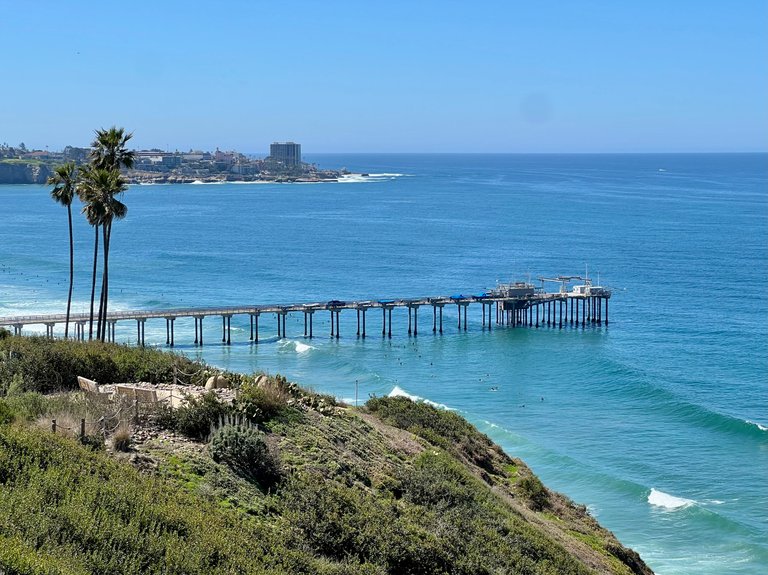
513	303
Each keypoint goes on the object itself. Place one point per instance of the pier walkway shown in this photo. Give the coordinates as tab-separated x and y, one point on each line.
517	304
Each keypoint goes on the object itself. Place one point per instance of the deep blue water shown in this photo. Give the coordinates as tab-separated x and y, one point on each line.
657	422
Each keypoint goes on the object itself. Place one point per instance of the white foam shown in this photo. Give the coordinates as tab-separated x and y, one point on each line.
360	178
303	347
297	346
400	392
660	499
353	179
758	425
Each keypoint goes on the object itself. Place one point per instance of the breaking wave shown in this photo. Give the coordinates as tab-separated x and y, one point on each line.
297	346
400	392
670	502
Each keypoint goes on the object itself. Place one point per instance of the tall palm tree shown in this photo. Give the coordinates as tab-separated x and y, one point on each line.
114	209
93	209
109	152
64	182
99	191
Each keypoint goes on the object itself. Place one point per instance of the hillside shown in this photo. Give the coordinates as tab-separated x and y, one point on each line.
281	481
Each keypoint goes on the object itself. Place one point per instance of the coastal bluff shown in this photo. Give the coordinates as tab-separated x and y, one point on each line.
272	478
23	173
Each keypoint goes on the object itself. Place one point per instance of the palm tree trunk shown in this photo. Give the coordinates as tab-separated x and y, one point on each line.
101	309
106	272
93	283
100	322
106	230
71	271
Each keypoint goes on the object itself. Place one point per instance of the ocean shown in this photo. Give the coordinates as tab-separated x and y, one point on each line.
657	422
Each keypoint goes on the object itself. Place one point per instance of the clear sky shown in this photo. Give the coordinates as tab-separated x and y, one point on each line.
394	76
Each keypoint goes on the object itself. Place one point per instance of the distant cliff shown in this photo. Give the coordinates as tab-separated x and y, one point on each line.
23	173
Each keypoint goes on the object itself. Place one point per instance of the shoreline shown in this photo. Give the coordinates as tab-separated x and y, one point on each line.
149	181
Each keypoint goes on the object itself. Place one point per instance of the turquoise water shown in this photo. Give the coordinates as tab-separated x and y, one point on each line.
657	422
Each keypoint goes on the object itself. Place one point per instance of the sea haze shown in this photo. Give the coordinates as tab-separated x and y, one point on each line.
658	423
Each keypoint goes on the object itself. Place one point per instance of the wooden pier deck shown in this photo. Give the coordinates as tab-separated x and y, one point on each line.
515	305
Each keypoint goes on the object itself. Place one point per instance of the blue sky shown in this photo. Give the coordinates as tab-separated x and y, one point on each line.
411	76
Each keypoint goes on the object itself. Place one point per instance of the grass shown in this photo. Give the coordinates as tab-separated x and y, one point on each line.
355	495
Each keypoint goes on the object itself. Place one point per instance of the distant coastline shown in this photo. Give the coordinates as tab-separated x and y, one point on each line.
154	179
19	165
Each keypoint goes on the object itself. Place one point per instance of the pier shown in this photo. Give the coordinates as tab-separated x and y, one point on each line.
517	304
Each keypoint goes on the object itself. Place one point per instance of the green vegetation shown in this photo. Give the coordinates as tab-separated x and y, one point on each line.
47	365
243	449
64	182
261	403
443	428
196	418
535	492
99	186
397	487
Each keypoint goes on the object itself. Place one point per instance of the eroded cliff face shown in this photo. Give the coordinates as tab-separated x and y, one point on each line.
23	173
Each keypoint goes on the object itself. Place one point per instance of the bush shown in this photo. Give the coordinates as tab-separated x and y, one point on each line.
438	480
440	427
260	404
196	418
4	333
121	439
244	450
534	491
47	365
6	413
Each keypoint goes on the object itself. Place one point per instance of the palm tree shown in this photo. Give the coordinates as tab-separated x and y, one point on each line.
94	213
64	183
109	149
99	192
114	209
109	154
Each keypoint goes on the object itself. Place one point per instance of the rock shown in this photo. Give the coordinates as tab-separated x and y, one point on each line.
217	382
24	173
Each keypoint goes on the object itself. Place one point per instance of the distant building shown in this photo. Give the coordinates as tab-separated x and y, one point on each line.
289	153
72	154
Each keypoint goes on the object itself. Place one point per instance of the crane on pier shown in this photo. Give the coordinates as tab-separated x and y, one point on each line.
564	281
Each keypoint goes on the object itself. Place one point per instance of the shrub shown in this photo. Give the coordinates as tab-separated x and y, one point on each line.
27	406
4	333
440	427
6	413
244	450
196	418
260	404
47	365
438	480
121	439
534	491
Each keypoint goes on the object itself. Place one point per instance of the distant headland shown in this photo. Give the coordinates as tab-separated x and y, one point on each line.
19	165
